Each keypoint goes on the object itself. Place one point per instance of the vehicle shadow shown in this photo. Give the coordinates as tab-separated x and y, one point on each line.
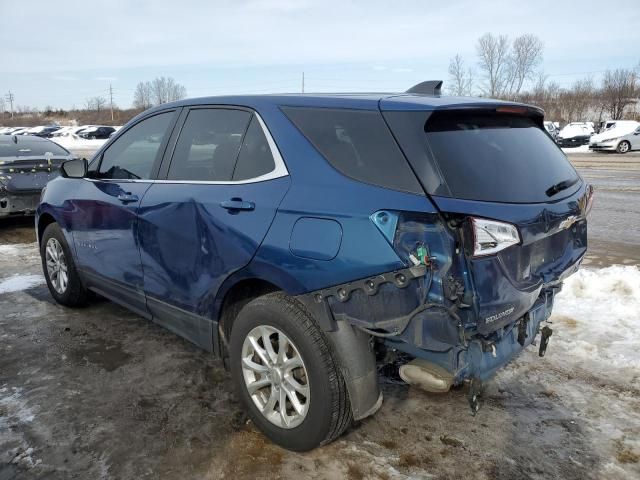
17	230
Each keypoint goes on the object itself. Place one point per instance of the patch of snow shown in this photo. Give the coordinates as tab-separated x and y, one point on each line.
16	283
19	249
580	149
72	142
15	407
597	315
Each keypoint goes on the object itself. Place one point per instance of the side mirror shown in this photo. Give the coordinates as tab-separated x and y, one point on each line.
75	168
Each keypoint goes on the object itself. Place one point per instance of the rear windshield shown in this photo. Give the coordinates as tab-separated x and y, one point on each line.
27	146
484	156
357	143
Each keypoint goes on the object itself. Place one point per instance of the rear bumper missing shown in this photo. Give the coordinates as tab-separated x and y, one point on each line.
391	307
18	204
481	357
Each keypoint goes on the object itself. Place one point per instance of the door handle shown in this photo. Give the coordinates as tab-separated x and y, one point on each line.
236	204
128	198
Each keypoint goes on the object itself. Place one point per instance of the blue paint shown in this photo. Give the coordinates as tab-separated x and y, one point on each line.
316	228
316	238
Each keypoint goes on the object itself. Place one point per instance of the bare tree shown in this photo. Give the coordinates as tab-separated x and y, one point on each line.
95	103
493	60
507	65
620	88
142	96
165	89
526	55
460	79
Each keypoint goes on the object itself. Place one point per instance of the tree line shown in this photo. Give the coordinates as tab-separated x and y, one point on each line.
97	109
512	70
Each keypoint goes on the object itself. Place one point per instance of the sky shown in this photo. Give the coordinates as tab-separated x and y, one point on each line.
59	53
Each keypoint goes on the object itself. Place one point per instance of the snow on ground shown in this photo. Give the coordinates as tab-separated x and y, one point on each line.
16	283
73	142
19	249
580	149
598	312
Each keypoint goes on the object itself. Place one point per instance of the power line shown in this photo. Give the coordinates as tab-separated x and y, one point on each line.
111	100
10	97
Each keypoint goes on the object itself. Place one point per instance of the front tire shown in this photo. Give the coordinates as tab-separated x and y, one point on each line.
623	147
59	269
286	374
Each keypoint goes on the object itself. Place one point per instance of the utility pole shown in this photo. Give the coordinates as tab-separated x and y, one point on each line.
302	82
10	97
111	100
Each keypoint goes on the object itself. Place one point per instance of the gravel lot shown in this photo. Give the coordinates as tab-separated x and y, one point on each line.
101	393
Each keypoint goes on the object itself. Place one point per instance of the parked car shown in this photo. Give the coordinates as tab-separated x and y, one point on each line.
70	131
552	130
43	131
300	237
618	136
20	131
27	163
575	134
96	133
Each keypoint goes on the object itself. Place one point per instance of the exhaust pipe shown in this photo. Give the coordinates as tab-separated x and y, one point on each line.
427	376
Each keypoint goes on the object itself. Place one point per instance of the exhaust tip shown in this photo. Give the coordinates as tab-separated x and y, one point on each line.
426	376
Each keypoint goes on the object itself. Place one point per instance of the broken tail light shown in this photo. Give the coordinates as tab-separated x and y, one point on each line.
491	236
586	203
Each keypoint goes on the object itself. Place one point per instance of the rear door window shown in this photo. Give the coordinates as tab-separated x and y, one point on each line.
357	143
255	159
484	156
208	145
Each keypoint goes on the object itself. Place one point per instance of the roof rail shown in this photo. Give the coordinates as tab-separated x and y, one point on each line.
429	87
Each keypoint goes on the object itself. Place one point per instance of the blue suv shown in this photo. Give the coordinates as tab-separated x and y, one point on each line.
309	240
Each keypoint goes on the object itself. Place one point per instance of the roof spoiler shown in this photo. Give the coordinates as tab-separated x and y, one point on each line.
429	87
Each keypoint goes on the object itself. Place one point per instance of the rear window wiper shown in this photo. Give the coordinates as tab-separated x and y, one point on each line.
558	187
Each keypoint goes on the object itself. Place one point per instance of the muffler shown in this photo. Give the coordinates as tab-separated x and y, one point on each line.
427	376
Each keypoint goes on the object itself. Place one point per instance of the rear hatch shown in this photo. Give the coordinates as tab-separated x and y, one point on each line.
495	165
28	163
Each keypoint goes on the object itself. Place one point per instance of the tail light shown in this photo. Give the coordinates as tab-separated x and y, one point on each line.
491	236
587	201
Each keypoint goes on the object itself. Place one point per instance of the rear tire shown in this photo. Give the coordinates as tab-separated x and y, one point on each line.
258	335
59	269
623	147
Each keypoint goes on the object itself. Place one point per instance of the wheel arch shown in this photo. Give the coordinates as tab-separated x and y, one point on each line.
235	296
44	220
352	348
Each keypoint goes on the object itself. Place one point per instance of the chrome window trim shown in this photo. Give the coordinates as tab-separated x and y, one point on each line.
279	171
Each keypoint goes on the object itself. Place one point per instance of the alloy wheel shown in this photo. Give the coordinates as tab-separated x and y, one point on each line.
275	376
623	147
56	266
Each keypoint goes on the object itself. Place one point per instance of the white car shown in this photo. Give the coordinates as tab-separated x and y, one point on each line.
575	134
20	131
621	136
70	131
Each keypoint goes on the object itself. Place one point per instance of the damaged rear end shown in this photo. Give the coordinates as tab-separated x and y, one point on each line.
27	163
482	273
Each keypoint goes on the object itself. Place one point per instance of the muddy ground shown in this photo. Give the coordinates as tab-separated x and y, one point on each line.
100	393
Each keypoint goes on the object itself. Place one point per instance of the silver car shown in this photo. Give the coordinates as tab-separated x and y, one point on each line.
616	140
